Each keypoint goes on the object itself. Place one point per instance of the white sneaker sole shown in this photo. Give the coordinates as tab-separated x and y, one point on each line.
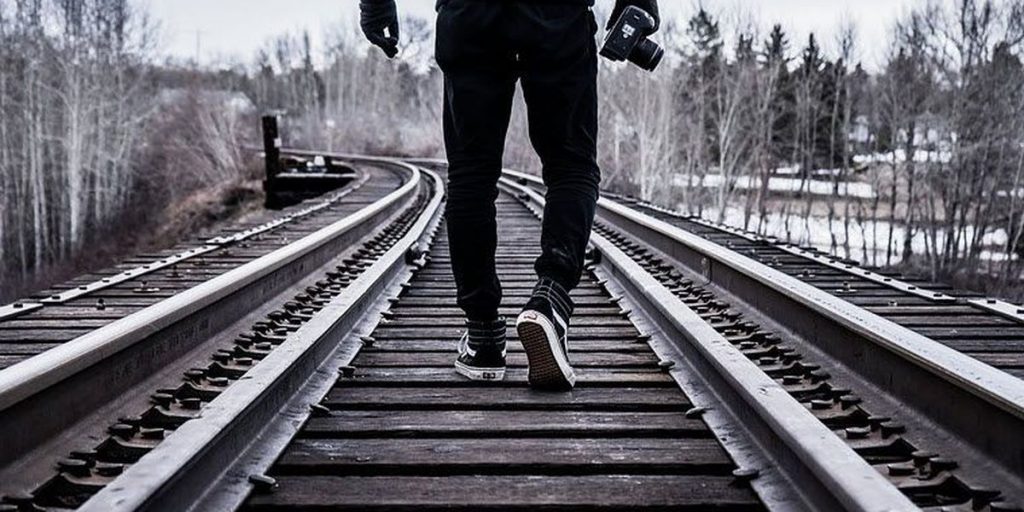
478	373
549	368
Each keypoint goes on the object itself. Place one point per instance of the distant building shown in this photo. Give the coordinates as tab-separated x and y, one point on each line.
860	131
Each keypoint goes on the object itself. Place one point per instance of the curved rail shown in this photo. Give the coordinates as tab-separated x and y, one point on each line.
972	403
832	476
793	459
998	307
241	431
69	378
211	245
982	380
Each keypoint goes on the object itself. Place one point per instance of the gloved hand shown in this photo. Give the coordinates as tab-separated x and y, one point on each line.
374	17
650	6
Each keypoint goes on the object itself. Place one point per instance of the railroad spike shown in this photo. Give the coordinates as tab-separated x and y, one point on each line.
745	474
89	456
940	464
695	412
319	411
263	484
22	499
921	457
892	428
857	432
74	467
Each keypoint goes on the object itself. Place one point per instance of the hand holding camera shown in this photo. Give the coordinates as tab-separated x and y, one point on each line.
628	29
379	21
648	6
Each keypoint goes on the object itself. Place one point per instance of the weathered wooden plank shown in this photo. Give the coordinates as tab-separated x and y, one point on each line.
570	456
29	323
448	301
514	359
627	399
890	293
6	361
965	332
450	344
507	492
883	301
519	271
922	310
39	336
75	312
599	322
392	331
974	345
514	377
510	311
506	292
1000	359
951	320
30	349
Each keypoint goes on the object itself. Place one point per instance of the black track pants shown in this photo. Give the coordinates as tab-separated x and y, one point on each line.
484	48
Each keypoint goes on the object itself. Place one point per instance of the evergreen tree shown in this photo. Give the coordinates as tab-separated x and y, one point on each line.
776	60
807	93
705	62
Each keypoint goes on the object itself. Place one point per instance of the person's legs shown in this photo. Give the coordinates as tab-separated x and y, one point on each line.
558	69
559	77
479	86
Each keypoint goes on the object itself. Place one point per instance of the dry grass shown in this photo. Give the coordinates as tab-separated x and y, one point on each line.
203	211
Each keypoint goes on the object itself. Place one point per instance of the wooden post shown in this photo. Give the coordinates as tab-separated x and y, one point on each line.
271	147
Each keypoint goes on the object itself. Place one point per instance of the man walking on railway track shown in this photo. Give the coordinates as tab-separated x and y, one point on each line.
484	47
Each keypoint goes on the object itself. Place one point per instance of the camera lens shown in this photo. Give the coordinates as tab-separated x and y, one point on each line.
647	55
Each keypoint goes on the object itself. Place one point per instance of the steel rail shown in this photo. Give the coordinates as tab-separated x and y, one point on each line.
78	376
19	308
242	431
1002	308
833	263
827	473
1008	310
982	405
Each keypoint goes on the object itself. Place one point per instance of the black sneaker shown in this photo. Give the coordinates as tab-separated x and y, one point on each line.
482	350
542	328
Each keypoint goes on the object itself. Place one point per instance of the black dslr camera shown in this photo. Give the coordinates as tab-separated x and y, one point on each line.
627	40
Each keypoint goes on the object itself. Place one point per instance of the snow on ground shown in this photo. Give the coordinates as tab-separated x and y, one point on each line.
781	184
869	239
900	156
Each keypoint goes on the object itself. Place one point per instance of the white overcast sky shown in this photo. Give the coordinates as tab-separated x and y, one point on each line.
225	31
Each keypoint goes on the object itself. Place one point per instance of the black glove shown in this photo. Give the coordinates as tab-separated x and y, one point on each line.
649	6
374	17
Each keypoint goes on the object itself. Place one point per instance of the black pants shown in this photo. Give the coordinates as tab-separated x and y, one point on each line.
484	48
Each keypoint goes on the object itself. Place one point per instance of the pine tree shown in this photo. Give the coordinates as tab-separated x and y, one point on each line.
776	60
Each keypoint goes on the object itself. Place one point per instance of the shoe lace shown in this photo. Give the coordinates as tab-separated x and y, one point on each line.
486	333
555	294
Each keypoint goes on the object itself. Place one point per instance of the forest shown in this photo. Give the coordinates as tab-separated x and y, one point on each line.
914	162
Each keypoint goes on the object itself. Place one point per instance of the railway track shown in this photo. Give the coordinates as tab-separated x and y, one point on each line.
710	378
989	330
96	350
69	310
